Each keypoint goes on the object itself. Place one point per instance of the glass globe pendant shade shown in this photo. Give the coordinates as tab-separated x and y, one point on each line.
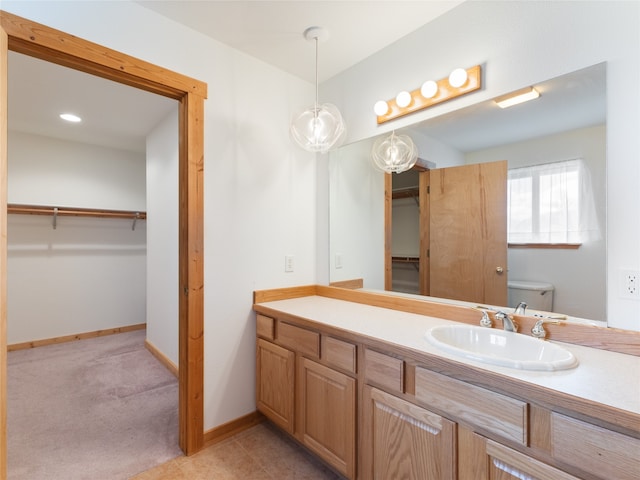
318	128
394	154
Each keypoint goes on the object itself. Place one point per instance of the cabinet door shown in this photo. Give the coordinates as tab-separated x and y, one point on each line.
328	415
594	449
405	442
484	459
275	371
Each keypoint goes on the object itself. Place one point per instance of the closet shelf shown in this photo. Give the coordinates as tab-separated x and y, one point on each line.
407	192
405	259
75	212
72	211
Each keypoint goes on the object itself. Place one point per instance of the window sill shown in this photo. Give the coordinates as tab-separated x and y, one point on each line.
559	246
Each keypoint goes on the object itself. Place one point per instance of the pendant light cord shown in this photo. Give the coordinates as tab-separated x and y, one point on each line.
316	109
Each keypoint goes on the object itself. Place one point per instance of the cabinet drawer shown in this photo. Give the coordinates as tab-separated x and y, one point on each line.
594	449
339	354
384	370
299	339
477	406
265	327
507	463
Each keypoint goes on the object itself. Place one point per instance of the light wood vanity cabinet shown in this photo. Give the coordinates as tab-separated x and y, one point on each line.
396	416
299	388
404	441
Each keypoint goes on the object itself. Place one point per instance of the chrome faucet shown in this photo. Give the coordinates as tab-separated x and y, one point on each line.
507	322
520	309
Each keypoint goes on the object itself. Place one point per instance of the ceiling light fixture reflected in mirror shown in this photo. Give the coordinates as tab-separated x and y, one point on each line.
394	154
318	128
519	96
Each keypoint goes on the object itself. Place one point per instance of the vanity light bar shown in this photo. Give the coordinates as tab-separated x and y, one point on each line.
443	92
519	96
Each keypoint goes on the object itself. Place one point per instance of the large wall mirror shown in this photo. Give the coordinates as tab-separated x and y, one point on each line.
567	122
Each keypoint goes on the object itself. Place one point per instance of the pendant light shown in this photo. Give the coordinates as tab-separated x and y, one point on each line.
320	127
394	154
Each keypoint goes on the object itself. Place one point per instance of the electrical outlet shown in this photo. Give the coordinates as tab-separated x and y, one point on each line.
338	260
288	263
630	284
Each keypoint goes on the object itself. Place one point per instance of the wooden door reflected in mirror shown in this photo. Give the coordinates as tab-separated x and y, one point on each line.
461	235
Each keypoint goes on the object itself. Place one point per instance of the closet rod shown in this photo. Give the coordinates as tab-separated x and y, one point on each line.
72	211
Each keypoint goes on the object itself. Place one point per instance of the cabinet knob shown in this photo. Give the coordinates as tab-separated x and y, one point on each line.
499	270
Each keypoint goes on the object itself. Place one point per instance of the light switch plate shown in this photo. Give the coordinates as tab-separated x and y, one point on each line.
288	263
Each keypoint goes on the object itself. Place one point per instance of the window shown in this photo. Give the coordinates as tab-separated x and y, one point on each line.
551	204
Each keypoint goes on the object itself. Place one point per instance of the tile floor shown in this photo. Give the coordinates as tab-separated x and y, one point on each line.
259	453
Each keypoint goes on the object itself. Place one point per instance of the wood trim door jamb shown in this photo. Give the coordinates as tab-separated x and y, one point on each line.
3	251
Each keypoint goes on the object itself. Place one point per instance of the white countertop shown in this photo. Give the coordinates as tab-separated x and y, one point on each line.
602	376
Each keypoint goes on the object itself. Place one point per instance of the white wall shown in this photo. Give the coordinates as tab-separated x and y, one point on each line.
521	43
260	190
357	216
88	274
162	236
49	171
579	276
433	150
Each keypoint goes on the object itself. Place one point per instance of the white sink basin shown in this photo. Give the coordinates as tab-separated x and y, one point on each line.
498	347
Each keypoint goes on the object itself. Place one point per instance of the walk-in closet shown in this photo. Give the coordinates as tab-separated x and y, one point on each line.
92	217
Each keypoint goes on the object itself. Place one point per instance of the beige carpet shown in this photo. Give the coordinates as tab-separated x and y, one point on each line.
99	409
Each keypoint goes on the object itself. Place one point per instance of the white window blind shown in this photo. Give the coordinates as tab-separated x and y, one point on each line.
551	203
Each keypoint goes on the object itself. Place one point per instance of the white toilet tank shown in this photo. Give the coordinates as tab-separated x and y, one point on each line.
537	295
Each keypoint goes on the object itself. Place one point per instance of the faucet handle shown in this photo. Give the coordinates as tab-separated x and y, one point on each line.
538	330
485	321
520	309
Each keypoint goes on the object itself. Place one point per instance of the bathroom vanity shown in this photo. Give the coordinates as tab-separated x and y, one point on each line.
352	377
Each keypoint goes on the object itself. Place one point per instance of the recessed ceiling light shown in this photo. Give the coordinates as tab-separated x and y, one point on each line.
70	117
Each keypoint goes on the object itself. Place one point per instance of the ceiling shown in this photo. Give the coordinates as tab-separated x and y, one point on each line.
114	115
119	116
273	31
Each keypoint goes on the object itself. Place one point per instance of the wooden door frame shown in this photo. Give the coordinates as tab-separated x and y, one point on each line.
24	36
388	229
423	199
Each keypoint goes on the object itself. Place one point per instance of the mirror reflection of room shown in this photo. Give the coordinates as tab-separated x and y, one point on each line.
566	125
405	232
